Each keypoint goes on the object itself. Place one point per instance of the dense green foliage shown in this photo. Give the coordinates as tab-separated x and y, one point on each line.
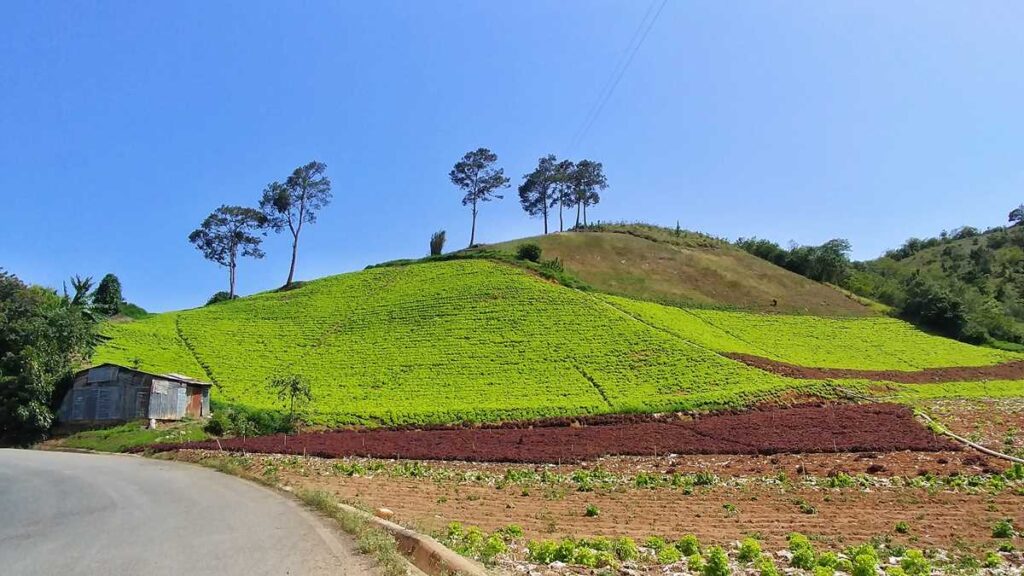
829	262
966	284
107	298
529	251
472	339
439	342
42	338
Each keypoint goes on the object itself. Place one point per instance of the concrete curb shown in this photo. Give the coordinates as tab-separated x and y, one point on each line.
427	554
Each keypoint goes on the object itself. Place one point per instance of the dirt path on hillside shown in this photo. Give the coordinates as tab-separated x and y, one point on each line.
1006	371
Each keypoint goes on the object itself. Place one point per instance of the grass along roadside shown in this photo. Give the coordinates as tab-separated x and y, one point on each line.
130	435
383	540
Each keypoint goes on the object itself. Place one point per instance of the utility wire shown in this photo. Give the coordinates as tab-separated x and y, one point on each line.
635	42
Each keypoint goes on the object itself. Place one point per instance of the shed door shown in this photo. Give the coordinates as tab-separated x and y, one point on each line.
195	402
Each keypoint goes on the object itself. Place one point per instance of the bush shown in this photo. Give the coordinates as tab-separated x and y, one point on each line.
542	552
765	566
803	551
592	511
437	243
902	527
491	547
528	251
864	565
219	297
1003	529
717	563
992	560
669	555
823	571
626	549
655	543
750	550
688	545
915	564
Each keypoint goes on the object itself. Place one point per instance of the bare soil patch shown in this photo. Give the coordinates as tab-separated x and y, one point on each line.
806	429
1006	371
834	517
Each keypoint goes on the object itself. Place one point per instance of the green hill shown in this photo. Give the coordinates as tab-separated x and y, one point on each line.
479	340
978	278
688	269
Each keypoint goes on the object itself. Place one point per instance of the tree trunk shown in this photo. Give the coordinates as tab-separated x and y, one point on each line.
561	226
472	232
545	216
231	280
291	269
578	214
584	215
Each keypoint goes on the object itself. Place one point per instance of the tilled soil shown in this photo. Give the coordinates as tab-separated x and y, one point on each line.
721	513
808	428
1006	371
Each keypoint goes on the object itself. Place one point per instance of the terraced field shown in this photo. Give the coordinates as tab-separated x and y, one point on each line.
474	340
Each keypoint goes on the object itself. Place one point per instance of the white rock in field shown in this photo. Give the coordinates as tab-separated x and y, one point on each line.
557	565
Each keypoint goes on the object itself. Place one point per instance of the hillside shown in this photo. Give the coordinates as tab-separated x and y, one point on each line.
478	340
977	277
688	269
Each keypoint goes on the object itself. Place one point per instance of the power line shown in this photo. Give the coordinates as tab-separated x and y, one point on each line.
635	42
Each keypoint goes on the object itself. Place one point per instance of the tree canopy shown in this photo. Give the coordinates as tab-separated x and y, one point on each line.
586	179
43	338
296	202
536	193
227	233
108	298
479	178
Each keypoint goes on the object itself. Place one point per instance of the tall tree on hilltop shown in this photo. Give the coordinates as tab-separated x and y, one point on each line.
563	195
536	193
296	202
1017	215
480	179
587	178
107	298
227	233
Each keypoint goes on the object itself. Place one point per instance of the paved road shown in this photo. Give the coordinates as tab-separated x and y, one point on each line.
70	514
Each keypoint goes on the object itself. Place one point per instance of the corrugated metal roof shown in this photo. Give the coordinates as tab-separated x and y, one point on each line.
172	376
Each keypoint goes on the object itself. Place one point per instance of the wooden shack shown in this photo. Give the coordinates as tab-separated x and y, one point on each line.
110	393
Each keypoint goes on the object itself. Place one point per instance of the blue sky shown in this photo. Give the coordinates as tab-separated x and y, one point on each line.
124	123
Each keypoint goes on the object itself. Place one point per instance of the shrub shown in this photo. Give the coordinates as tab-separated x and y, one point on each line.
750	550
511	532
765	566
688	545
895	571
902	527
669	555
605	559
803	551
600	543
717	563
992	560
437	243
626	549
221	296
915	564
542	552
592	511
585	557
528	251
695	563
655	543
828	560
823	571
864	565
492	547
1003	529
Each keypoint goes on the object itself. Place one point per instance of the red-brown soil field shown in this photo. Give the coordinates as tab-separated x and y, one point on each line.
805	429
1005	371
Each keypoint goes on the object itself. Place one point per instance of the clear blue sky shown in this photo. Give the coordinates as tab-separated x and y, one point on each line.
122	124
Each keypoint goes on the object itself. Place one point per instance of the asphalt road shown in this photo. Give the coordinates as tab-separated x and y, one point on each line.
71	514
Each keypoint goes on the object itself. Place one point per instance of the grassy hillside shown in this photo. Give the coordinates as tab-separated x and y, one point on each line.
688	269
478	340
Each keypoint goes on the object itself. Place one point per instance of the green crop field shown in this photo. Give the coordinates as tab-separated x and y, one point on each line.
478	340
858	343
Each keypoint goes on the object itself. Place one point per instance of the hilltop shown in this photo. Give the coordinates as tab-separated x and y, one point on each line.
480	340
687	269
